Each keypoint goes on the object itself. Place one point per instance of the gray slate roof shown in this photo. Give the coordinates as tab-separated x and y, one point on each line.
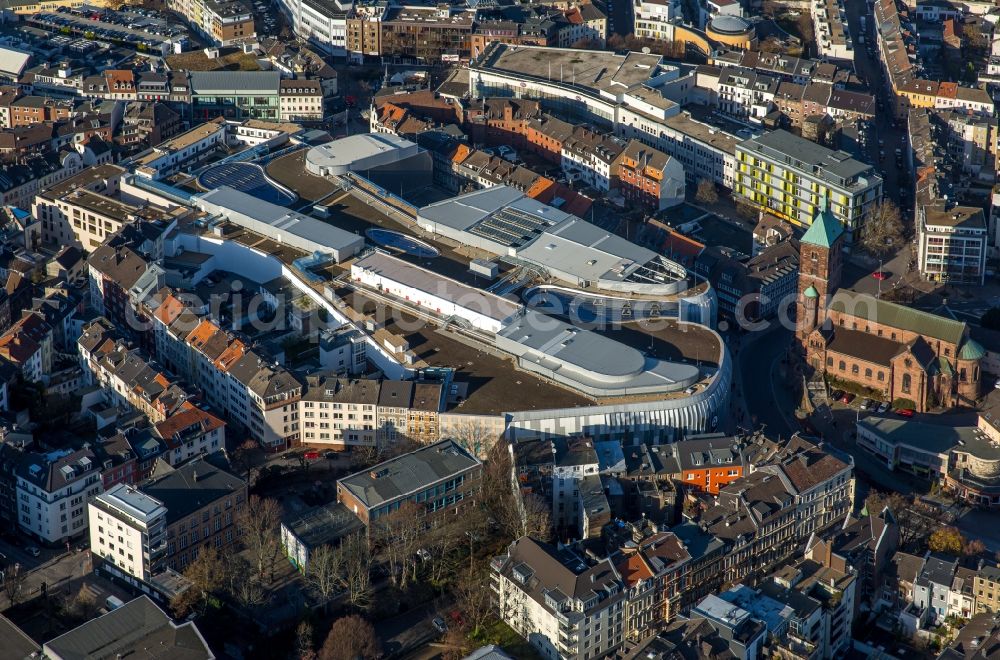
139	628
409	473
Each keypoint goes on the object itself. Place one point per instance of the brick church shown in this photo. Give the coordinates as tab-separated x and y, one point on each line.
901	352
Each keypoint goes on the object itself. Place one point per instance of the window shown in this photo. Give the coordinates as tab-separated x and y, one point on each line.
907	383
842	365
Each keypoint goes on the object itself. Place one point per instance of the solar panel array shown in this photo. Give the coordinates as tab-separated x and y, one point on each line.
511	227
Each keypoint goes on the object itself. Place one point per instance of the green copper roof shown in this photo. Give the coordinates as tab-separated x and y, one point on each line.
971	350
811	292
825	228
898	316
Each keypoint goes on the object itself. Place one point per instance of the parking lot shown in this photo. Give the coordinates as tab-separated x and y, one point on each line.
140	28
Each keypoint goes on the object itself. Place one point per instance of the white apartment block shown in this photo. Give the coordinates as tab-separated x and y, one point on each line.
530	585
322	23
952	244
654	19
128	532
300	100
745	95
52	492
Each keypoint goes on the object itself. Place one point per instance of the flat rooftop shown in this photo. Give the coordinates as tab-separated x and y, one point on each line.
592	70
933	438
685	123
495	384
425	280
273	220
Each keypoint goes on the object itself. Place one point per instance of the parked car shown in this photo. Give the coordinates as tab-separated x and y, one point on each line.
883	407
33	551
440	625
836	395
847	398
906	412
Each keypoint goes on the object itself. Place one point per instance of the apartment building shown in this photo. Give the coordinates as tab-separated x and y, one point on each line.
321	23
654	19
52	492
340	413
764	515
710	462
745	95
300	100
223	22
166	158
128	534
255	393
565	607
833	36
590	157
442	479
792	177
427	34
57	216
648	177
364	30
203	501
127	376
655	574
27	346
952	243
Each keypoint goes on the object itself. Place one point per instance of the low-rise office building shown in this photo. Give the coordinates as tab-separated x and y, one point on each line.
442	478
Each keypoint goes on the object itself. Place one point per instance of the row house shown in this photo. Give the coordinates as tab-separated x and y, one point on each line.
300	100
28	347
256	393
763	516
127	377
592	157
655	574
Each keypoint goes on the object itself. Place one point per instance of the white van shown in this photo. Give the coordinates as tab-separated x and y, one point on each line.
113	603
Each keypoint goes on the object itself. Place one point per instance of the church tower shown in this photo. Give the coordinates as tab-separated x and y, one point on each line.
820	261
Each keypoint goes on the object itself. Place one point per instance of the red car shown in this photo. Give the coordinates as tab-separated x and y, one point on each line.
906	412
880	275
847	398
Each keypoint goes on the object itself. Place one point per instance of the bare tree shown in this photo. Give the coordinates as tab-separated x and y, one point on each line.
398	535
356	551
473	599
13	583
707	194
536	518
351	638
242	584
477	437
304	642
84	604
325	573
258	527
207	575
883	228
248	459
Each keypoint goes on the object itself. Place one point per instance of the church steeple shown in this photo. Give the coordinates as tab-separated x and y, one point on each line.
820	254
